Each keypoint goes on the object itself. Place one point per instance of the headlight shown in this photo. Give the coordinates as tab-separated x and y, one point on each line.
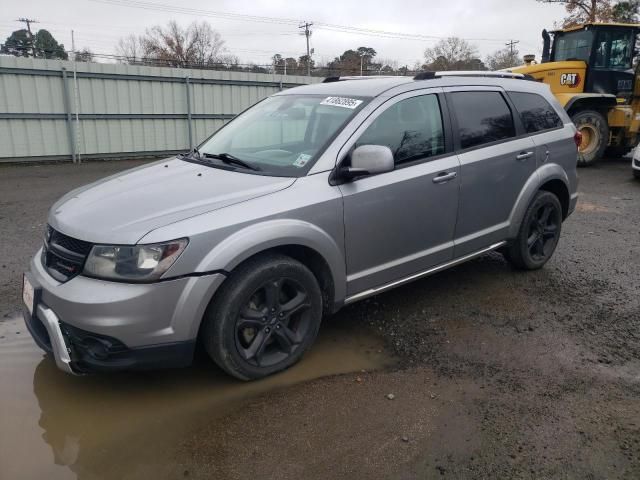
135	263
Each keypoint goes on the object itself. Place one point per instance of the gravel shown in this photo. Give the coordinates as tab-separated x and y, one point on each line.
500	373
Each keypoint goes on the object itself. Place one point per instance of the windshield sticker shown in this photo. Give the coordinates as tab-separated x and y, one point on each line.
302	160
341	102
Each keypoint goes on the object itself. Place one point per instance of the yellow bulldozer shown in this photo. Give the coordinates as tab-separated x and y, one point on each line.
591	70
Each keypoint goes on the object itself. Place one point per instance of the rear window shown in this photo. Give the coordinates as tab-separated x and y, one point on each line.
483	117
536	113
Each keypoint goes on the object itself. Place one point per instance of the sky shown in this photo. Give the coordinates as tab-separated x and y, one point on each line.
488	24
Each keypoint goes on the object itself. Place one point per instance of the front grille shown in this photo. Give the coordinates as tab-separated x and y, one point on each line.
64	256
636	162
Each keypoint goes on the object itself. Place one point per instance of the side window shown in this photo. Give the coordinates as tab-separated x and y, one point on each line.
411	128
483	117
614	49
535	111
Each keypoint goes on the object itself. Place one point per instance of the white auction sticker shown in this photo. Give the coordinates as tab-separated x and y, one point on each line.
302	160
341	102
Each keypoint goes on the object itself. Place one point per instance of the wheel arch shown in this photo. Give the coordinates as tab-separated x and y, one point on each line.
303	241
560	190
600	102
550	177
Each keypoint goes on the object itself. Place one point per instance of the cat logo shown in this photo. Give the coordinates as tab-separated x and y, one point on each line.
570	79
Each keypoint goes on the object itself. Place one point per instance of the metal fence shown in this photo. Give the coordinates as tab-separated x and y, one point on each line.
50	112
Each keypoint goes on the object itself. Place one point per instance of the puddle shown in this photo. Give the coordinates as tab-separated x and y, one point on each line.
131	425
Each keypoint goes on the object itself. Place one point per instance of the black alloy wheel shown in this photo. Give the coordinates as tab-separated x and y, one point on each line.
272	324
264	316
538	235
543	232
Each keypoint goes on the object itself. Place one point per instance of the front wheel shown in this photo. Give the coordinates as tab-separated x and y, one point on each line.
595	136
263	319
539	233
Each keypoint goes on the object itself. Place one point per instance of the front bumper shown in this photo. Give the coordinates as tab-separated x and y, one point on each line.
44	327
635	163
96	325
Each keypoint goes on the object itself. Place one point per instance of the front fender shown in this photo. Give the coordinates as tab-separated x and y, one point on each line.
257	238
550	171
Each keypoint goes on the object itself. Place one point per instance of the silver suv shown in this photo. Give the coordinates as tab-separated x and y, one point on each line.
312	199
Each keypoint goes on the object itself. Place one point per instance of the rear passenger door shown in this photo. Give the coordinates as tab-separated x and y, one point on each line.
496	159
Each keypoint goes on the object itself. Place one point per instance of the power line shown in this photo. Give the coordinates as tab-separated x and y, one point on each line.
282	21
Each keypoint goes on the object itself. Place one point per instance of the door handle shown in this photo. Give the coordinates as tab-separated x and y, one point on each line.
444	177
524	155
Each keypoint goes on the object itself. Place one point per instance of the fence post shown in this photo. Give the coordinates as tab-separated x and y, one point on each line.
67	111
188	87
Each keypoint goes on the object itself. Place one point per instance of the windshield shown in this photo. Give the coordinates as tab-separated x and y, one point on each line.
283	135
573	46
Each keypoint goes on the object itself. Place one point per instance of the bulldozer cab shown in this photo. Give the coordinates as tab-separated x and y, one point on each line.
607	49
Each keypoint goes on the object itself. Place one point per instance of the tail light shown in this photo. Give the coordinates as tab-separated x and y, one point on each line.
577	137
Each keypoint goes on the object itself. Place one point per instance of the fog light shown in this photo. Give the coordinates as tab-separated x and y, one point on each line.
97	348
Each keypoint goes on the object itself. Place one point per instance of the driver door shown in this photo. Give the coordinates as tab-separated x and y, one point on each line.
402	222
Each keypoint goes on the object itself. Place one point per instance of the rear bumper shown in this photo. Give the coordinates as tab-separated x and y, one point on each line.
573	201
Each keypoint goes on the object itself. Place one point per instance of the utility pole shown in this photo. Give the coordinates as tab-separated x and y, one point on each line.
307	33
29	21
512	44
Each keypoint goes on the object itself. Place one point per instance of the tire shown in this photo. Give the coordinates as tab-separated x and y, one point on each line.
595	133
273	300
538	234
636	174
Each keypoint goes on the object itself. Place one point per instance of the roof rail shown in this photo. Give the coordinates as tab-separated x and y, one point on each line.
364	77
430	75
469	73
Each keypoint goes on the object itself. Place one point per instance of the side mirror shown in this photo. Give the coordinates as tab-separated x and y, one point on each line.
369	160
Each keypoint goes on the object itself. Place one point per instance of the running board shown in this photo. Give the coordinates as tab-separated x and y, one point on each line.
416	276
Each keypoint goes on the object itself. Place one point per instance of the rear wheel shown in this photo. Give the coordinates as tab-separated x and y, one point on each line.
595	136
263	318
539	233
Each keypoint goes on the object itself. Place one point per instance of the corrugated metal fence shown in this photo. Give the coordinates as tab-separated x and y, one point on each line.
48	112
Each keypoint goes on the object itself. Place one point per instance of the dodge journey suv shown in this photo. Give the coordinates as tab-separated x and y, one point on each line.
314	198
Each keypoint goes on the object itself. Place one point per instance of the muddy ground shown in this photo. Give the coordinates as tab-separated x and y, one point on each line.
496	373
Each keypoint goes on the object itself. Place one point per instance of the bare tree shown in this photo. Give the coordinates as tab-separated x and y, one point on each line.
452	53
176	46
207	42
129	49
584	11
173	45
504	58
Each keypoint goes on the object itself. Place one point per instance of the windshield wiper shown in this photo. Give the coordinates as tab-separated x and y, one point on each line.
230	159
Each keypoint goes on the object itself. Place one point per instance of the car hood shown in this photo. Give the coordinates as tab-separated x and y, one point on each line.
122	208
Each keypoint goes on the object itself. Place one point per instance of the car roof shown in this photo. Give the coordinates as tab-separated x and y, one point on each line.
378	86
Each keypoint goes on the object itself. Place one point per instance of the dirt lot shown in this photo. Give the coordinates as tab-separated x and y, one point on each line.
496	373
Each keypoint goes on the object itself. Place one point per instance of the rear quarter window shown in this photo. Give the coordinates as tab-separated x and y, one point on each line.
536	113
